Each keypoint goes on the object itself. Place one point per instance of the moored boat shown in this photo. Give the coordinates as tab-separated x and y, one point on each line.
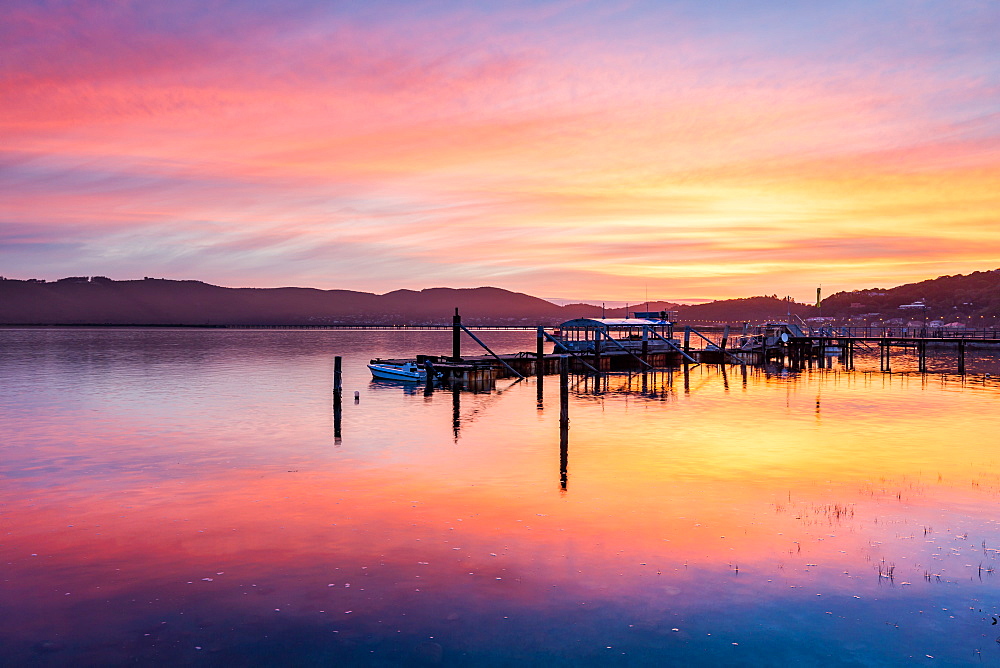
643	332
391	371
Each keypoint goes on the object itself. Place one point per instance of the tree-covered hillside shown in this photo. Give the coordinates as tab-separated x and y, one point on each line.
968	297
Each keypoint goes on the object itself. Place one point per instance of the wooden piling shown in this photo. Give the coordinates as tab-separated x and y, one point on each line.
563	420
540	366
338	408
961	357
456	337
563	392
540	353
563	457
456	411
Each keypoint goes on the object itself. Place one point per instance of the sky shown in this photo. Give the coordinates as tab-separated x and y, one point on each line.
677	150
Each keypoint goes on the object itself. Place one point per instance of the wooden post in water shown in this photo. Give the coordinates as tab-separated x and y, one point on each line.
456	411
687	340
338	375
563	392
456	337
563	456
961	357
921	356
563	419
645	343
540	352
338	388
540	365
725	342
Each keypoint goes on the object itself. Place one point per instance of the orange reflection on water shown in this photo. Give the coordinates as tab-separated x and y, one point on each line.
673	501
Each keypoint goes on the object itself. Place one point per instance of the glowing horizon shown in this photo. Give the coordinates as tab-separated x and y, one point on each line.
580	149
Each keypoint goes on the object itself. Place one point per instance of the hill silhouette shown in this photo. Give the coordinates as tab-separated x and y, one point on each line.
98	300
967	297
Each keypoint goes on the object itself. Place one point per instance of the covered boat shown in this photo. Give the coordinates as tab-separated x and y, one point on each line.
644	331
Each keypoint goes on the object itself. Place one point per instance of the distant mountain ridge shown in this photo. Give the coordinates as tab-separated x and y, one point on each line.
975	295
101	301
79	301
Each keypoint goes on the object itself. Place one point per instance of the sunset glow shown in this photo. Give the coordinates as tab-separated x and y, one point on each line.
565	149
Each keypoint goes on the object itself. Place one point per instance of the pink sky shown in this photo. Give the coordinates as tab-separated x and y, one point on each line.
586	150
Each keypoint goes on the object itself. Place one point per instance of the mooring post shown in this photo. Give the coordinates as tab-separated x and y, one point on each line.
540	366
563	419
563	456
540	352
456	337
563	392
338	374
564	389
645	343
725	341
338	409
687	339
961	357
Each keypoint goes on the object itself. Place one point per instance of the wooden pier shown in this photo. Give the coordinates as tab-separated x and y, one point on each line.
792	347
799	351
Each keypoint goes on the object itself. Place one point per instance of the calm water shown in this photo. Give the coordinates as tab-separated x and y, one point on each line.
177	497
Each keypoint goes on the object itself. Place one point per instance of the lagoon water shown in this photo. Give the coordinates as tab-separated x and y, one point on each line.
177	497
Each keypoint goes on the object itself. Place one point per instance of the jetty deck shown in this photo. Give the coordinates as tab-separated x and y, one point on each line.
797	349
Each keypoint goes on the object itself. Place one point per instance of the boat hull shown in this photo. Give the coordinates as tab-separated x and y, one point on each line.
385	372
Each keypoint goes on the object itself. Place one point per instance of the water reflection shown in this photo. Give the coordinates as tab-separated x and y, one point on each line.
163	510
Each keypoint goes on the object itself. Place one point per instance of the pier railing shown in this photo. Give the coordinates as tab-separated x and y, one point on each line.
907	332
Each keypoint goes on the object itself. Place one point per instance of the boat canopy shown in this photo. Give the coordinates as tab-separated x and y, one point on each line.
612	323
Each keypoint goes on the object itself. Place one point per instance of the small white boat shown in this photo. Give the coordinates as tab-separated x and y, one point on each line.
387	371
